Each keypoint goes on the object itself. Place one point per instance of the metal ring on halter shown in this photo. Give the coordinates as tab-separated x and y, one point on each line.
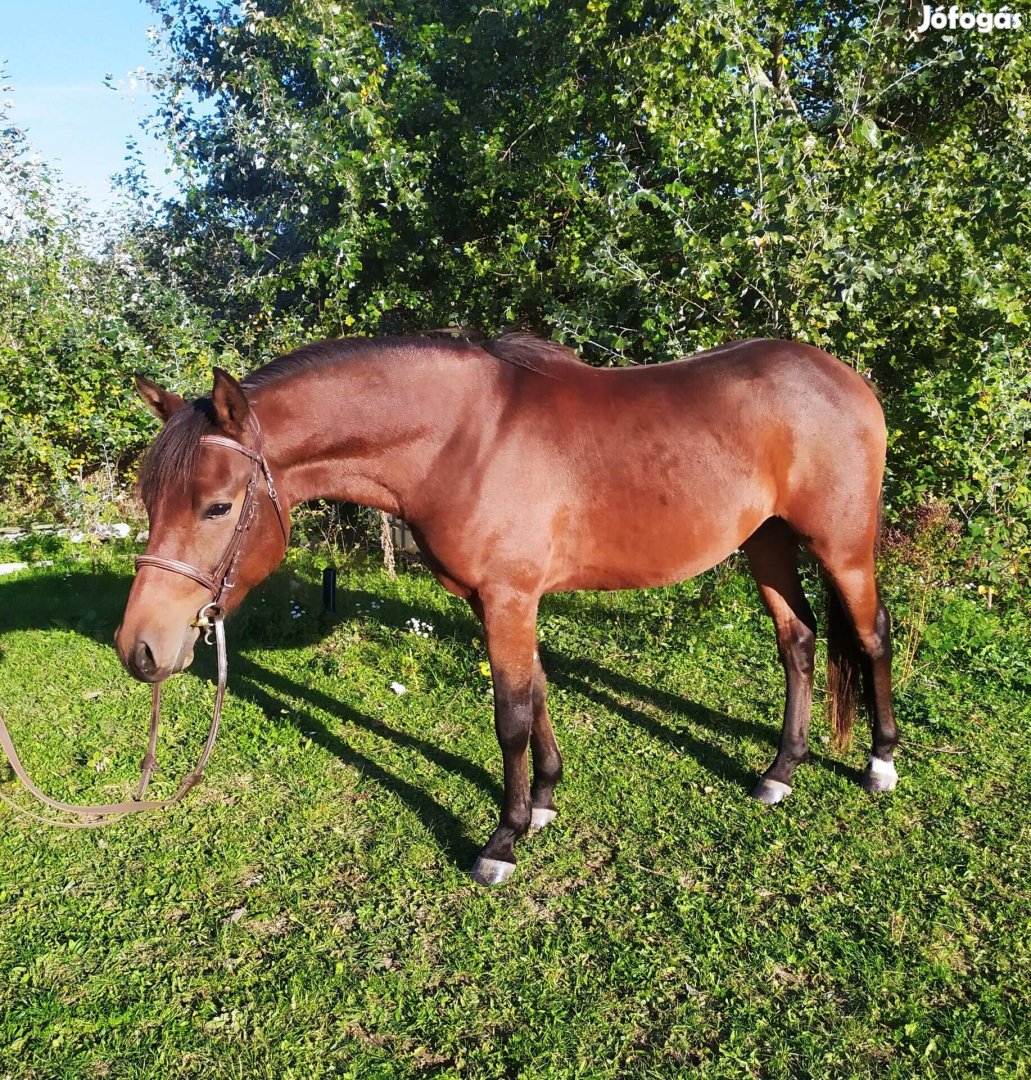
205	620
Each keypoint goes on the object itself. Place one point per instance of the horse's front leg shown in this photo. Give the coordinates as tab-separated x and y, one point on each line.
509	620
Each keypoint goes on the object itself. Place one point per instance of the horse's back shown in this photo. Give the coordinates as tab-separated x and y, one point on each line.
744	369
750	401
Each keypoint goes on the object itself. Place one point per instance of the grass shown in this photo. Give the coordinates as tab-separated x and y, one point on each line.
306	913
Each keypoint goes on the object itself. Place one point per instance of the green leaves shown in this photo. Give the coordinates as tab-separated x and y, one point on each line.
866	130
640	181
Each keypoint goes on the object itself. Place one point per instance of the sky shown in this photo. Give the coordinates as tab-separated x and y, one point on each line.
55	56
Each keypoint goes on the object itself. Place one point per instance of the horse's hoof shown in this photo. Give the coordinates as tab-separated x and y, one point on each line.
540	817
770	791
491	871
880	775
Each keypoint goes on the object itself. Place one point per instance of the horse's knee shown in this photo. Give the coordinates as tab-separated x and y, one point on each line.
518	815
550	764
514	734
547	766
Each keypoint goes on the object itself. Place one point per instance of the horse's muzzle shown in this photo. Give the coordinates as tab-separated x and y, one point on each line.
144	661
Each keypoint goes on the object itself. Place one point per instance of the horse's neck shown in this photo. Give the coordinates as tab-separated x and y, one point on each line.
365	430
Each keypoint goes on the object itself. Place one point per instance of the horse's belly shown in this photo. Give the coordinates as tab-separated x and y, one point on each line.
636	550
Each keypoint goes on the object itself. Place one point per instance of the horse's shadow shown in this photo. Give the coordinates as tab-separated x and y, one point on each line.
270	690
62	602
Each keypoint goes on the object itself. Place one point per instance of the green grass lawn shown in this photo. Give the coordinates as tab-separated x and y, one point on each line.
307	912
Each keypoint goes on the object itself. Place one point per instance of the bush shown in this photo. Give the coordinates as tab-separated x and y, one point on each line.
638	180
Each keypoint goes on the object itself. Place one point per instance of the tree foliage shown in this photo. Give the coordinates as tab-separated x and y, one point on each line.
639	179
80	310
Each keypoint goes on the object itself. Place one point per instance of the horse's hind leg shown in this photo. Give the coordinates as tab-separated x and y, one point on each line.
547	759
855	584
772	553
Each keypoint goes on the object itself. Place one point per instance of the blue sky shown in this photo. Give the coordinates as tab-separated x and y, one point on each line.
56	55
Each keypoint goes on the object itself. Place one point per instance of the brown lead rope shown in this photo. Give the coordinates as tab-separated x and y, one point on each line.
107	813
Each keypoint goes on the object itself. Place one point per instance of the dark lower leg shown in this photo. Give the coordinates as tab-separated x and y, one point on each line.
877	684
513	719
875	643
509	621
857	587
773	558
547	759
797	648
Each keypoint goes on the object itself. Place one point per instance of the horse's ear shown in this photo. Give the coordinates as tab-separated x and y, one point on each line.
230	404
161	402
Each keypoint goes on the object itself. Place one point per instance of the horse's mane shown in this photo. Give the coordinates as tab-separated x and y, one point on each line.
529	351
173	454
518	348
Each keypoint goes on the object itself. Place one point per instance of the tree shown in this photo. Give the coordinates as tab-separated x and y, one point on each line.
79	311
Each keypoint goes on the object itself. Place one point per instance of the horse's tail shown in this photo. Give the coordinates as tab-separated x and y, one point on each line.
844	672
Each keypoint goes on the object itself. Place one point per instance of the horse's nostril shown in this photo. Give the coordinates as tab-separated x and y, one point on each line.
145	663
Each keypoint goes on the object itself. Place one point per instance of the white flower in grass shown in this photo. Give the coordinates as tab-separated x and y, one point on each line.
399	688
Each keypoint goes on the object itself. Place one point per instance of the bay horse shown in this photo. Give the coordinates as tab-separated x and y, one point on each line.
522	470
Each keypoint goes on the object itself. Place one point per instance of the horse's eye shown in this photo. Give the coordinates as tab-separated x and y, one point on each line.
216	510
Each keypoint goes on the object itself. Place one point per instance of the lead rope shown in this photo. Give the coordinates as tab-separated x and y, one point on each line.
108	813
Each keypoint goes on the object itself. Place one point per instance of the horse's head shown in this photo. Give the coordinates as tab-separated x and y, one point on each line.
216	526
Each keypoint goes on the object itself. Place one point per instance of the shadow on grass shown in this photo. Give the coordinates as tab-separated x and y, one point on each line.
91	604
574	673
262	685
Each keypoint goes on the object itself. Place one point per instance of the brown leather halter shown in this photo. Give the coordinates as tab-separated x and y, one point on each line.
218	582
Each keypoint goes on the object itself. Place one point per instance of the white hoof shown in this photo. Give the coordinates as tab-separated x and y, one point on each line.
880	775
770	791
540	817
491	871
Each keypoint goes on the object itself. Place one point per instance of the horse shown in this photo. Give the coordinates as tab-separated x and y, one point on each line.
522	470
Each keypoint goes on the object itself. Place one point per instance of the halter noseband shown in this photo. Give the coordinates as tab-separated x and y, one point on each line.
218	582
